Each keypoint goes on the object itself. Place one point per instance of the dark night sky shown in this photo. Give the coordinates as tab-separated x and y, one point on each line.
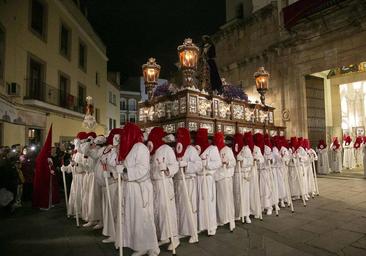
134	30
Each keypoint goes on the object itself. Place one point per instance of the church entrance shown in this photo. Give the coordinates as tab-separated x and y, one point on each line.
336	106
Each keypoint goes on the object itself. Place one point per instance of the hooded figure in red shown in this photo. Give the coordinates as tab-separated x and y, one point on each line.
238	143
131	134
155	139
219	140
259	141
183	139
45	187
294	143
336	144
113	132
306	144
248	140
322	144
347	140
358	142
267	141
202	139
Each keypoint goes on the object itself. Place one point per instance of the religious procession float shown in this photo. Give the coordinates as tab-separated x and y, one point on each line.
203	99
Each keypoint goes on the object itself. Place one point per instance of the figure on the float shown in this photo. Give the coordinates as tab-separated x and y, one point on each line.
348	153
336	156
138	227
323	160
108	161
206	187
163	166
76	167
209	55
45	186
93	151
224	183
265	181
358	151
190	164
279	170
241	179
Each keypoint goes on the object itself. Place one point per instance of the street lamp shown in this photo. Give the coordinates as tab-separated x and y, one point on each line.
151	71
261	82
188	58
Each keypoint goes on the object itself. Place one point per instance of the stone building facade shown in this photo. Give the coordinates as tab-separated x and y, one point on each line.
324	37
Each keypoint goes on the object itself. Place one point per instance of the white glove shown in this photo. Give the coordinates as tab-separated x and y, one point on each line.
162	166
183	164
120	168
114	174
106	174
239	157
63	168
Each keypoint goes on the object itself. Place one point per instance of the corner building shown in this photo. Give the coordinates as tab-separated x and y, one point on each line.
50	60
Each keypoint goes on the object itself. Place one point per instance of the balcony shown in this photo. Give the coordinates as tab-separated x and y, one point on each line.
46	96
293	13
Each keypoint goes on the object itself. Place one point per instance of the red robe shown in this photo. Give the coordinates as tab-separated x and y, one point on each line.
43	178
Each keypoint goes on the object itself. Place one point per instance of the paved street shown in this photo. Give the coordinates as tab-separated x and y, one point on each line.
332	224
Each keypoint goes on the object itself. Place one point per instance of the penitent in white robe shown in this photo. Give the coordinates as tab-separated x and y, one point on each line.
224	188
323	161
96	182
265	184
213	159
245	166
358	156
255	201
278	169
296	177
348	156
336	159
76	189
160	207
108	159
139	232
194	165
310	165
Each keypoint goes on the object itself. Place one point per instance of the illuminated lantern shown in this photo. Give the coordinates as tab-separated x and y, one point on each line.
151	71
188	58
261	82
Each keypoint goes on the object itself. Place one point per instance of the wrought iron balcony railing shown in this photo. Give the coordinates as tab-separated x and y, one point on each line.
39	90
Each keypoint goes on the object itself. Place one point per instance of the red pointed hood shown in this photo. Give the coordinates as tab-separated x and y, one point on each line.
238	143
294	143
322	144
358	142
91	135
111	135
259	141
300	142
82	135
131	134
183	139
248	140
267	141
41	182
219	140
284	142
336	144
306	144
155	139
202	139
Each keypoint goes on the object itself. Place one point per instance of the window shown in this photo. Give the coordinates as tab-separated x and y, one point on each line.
132	118
239	11
82	56
81	98
97	115
123	104
114	123
110	123
96	78
110	97
38	13
65	41
2	54
64	85
132	105
122	119
114	99
36	86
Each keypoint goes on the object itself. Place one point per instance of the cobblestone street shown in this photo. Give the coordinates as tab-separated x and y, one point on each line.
332	224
